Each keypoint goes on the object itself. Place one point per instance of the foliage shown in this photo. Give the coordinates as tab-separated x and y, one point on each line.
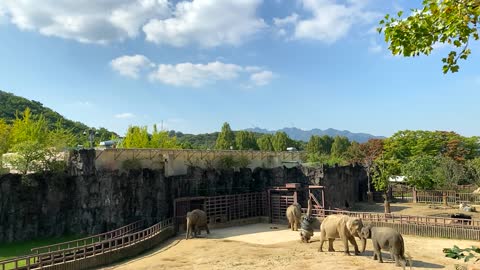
340	146
320	144
473	170
226	138
131	164
449	173
452	22
281	141
458	253
246	140
407	144
4	137
265	142
136	137
383	170
11	104
162	139
230	162
421	171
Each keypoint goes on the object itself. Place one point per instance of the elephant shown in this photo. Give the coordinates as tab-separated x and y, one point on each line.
388	239
294	213
306	228
344	227
196	221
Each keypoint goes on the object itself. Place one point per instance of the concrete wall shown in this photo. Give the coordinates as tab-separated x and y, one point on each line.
176	162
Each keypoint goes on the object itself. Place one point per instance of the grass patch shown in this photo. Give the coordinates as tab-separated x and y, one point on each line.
8	251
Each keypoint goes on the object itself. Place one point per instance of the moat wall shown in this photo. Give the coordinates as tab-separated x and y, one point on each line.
86	201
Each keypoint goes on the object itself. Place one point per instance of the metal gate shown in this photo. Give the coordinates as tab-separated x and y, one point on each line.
278	206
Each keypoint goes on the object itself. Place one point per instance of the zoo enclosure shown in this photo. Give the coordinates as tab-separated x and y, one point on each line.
94	254
429	226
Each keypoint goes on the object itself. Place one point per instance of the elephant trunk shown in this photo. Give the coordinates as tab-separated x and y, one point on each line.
364	243
189	228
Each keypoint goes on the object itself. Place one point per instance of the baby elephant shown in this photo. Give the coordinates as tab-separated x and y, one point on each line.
196	221
294	213
387	239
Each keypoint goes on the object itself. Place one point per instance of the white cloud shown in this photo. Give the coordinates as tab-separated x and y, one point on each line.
124	115
292	19
131	66
329	20
261	78
85	20
208	23
195	75
189	74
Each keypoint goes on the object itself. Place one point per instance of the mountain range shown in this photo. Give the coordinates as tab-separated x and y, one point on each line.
304	135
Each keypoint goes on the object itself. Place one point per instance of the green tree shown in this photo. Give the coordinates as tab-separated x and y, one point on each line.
4	137
136	137
473	170
340	146
384	169
246	140
449	173
281	141
162	139
265	142
451	22
226	138
421	171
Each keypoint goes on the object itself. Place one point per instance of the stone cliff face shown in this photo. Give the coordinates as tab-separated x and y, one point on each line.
86	201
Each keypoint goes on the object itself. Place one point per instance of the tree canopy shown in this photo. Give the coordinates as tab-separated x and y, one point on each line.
226	138
452	22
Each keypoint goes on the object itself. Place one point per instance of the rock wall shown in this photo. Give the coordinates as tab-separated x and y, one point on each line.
86	201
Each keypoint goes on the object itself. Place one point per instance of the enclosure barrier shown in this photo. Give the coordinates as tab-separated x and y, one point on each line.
95	254
451	197
132	227
442	227
222	209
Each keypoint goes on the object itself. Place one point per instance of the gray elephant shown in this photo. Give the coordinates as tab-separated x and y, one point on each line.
388	239
343	227
294	213
196	221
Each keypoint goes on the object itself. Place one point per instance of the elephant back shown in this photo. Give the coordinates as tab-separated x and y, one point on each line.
197	216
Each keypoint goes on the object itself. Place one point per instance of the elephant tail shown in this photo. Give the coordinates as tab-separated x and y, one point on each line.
405	260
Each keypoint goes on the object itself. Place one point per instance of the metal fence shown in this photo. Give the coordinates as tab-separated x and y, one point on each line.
442	227
62	256
451	197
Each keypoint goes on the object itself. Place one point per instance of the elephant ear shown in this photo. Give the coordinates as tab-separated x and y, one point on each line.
353	225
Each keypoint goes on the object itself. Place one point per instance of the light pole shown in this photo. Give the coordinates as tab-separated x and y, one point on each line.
91	135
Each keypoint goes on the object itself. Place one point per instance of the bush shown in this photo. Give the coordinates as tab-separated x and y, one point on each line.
230	162
131	164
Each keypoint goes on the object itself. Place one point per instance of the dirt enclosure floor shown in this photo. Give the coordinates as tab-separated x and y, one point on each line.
268	246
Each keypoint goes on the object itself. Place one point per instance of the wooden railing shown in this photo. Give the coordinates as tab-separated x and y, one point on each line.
407	219
452	197
38	261
132	227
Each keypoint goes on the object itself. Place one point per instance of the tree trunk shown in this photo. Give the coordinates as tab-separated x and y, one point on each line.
386	204
369	191
444	198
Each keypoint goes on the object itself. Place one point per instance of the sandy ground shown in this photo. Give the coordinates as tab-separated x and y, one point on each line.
267	246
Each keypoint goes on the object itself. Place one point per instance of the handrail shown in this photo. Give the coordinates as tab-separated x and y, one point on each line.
75	253
408	219
107	235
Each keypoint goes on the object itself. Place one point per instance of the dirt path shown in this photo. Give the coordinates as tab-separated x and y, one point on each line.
261	247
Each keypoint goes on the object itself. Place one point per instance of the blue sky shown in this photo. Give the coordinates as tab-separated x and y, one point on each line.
196	64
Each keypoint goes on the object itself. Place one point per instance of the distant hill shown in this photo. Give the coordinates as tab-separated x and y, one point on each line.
10	104
304	135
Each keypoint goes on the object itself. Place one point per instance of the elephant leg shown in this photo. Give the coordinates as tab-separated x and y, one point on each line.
354	243
375	256
345	244
330	245
380	260
398	260
320	249
376	251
